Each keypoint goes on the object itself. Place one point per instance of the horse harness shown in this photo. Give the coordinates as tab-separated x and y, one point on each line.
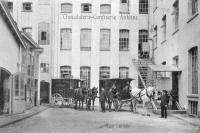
140	95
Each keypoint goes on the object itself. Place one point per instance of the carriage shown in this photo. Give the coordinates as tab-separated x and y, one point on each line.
122	88
63	89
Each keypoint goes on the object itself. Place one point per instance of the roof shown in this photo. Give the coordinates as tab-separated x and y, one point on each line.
30	40
12	24
164	68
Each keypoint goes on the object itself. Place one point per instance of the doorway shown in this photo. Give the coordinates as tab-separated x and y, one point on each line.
4	91
175	90
44	92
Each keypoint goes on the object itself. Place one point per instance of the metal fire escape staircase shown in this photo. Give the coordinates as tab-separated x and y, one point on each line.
146	76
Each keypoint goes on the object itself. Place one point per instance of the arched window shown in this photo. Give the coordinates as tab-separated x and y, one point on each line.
105	8
66	8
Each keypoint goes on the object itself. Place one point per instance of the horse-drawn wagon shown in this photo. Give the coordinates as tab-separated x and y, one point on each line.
63	89
120	89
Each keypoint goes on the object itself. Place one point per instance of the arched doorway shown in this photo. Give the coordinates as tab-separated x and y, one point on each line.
4	90
44	92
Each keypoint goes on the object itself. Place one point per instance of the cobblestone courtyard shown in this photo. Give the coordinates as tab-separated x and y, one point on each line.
65	120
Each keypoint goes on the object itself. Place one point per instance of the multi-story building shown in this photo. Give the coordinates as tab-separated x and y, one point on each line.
19	64
35	18
174	27
88	39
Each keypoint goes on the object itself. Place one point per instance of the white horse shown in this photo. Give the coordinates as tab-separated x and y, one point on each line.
143	96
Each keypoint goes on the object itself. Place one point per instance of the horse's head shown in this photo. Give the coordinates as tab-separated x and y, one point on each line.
95	91
152	91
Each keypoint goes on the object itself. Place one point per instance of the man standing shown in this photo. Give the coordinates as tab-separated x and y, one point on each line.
164	104
102	99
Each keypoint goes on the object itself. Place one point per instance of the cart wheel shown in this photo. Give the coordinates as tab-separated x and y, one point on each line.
57	99
116	104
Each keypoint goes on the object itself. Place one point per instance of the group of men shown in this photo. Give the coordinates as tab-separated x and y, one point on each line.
107	96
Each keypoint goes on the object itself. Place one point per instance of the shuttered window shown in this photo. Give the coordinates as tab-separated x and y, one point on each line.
66	8
104	72
123	72
105	8
124	6
44	33
44	2
85	40
66	38
85	75
193	56
105	39
65	71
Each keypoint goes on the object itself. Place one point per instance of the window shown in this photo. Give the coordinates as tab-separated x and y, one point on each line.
193	70
143	6
85	39
28	30
65	71
155	37
66	8
175	14
164	27
123	40
66	38
105	39
85	75
10	6
27	6
86	8
192	7
176	61
44	67
104	73
123	72
143	47
124	6
105	8
44	2
16	79
193	107
154	5
43	33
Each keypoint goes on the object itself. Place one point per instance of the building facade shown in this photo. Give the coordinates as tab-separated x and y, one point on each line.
19	62
174	31
88	39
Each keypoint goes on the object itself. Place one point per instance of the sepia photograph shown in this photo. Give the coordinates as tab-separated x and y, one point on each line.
99	66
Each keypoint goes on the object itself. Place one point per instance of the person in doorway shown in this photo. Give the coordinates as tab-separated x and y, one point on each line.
103	99
164	104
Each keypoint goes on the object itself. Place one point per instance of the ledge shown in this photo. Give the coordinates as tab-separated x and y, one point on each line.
124	12
65	49
127	50
104	50
175	32
193	96
163	41
192	17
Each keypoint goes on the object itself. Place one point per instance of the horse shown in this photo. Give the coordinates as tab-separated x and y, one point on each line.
91	96
79	96
144	96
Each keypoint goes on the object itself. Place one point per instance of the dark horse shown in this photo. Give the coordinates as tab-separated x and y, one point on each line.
91	96
80	95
